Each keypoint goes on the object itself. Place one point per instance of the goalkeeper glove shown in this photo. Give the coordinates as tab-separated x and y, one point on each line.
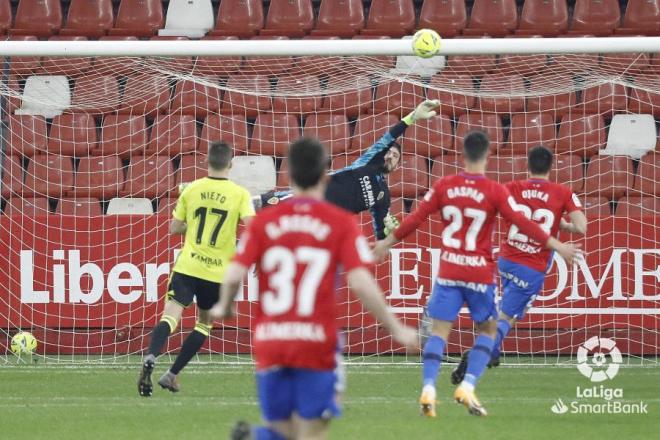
425	110
391	223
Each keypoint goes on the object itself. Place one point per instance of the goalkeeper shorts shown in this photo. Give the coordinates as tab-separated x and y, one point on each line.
520	286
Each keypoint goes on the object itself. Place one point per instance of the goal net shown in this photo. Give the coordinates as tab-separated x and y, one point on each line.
94	148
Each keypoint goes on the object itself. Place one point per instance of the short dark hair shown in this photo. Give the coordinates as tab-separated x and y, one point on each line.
220	155
396	145
475	145
308	162
539	160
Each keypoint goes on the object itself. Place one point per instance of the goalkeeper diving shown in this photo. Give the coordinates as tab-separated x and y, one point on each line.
362	185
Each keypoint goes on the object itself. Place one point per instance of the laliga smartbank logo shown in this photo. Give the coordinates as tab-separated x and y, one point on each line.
599	360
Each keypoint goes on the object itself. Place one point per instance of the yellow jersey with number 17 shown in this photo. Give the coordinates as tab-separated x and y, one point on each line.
211	208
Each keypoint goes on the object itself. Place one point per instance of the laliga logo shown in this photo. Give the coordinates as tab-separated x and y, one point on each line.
592	370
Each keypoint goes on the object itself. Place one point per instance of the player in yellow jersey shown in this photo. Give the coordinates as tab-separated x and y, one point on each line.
207	213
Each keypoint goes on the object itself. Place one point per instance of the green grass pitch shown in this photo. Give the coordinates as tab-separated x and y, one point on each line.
101	402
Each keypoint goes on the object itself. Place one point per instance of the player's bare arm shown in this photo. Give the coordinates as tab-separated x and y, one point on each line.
577	225
366	289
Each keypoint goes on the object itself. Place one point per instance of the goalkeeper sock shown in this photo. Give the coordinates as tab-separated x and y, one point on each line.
478	359
503	328
160	334
432	357
190	346
265	433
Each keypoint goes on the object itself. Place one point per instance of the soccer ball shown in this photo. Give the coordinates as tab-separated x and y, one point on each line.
23	343
426	43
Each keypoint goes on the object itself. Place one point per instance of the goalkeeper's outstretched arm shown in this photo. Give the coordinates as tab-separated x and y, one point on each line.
425	110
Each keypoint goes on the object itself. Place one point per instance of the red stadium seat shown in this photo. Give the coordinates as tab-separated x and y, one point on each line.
48	175
411	178
166	206
558	104
41	18
492	17
596	17
145	95
339	18
531	129
91	18
596	206
273	132
630	63
642	100
637	207
293	18
244	104
647	181
446	166
192	167
394	18
447	17
124	135
196	99
268	65
528	66
240	18
12	176
29	207
495	84
117	66
172	135
368	129
604	99
71	66
318	65
543	17
96	94
641	17
398	207
5	16
232	129
429	138
487	122
27	134
453	102
23	66
568	169
583	135
101	177
175	64
331	129
506	169
150	177
609	176
307	85
72	134
211	66
140	18
396	97
352	99
83	207
472	65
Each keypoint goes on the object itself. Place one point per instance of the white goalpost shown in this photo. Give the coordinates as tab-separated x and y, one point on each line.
96	137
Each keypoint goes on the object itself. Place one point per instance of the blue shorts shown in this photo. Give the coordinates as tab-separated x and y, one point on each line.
449	296
520	285
309	393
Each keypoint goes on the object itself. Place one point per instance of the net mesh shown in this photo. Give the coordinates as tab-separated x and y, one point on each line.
91	147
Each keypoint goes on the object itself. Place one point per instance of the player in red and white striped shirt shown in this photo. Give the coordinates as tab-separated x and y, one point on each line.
468	203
